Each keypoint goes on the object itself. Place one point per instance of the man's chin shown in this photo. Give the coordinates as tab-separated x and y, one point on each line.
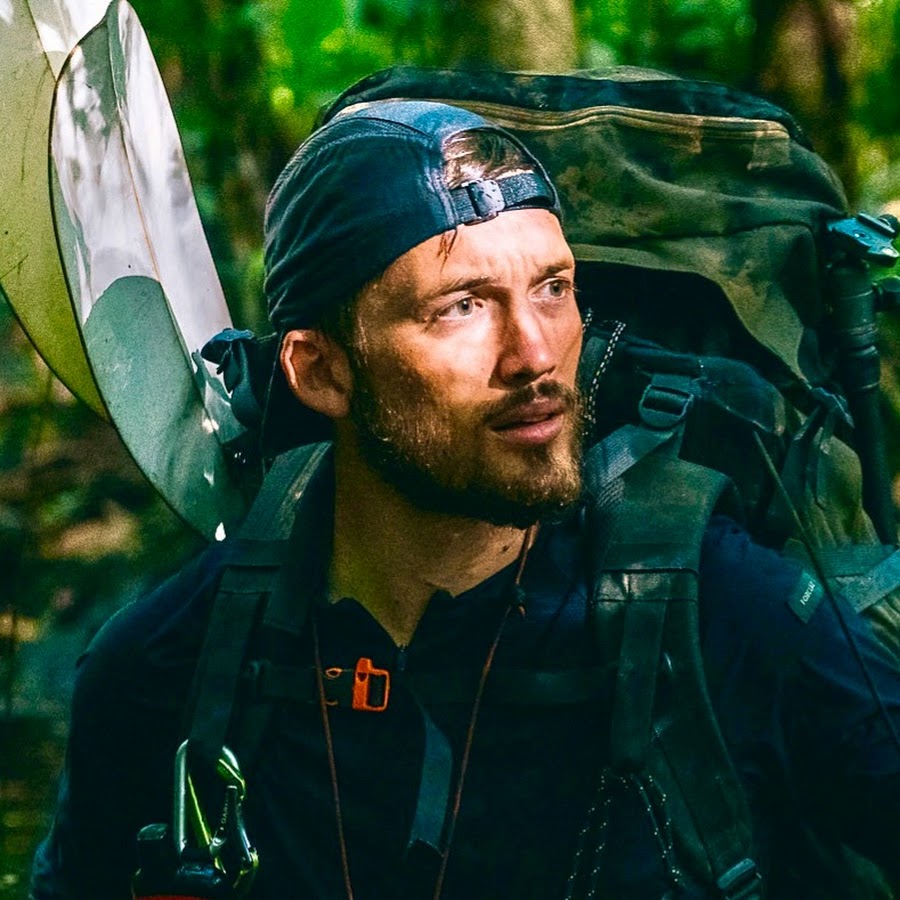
519	494
470	473
522	515
497	507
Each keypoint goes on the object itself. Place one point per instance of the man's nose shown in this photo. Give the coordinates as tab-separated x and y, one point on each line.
526	350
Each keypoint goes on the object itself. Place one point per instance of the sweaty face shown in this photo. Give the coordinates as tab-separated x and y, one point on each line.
464	371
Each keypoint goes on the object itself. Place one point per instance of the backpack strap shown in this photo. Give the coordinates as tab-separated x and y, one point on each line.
253	575
662	411
644	610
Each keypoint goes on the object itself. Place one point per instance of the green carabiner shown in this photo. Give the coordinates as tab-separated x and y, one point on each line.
230	839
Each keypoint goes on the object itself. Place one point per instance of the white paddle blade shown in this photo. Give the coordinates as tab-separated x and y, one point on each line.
35	40
144	289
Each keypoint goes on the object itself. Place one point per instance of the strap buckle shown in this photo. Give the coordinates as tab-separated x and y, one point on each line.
487	198
666	401
365	698
741	882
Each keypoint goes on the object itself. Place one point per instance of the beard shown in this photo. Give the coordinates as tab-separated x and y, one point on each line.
449	462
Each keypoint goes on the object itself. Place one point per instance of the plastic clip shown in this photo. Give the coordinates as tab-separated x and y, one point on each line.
866	237
362	686
487	198
741	882
666	401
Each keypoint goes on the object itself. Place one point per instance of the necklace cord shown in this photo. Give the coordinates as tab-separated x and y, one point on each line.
514	601
332	767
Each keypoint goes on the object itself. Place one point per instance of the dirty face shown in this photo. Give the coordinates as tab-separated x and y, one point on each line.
464	363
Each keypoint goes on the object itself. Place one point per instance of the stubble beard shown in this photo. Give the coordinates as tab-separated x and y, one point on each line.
454	467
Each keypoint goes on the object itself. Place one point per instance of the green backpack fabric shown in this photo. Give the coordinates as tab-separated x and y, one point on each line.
697	214
664	174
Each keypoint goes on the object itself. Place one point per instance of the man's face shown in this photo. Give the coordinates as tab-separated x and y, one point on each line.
464	368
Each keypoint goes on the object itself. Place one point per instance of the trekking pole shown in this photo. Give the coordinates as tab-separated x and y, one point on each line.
855	244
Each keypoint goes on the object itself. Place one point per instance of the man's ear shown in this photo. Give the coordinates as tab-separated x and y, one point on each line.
317	371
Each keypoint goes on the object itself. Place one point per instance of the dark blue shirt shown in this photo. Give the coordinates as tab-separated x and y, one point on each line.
800	721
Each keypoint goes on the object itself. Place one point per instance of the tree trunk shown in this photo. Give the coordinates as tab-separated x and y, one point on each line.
803	60
530	35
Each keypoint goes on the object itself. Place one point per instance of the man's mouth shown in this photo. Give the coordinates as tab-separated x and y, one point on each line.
535	422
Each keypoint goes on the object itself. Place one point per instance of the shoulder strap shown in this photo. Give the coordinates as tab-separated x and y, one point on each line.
644	609
249	579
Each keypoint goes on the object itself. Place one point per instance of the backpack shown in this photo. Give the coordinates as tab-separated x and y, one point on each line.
725	291
730	311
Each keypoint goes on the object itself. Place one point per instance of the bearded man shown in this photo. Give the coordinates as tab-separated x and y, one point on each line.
441	709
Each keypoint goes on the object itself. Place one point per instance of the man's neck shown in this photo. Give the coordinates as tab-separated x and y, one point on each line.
392	556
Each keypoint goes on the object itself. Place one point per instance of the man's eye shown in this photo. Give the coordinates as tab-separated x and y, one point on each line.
462	308
557	288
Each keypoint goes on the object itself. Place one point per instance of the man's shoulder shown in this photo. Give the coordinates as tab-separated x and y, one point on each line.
773	612
163	629
730	550
745	586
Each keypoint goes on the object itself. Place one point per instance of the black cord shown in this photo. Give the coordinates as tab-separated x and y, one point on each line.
820	574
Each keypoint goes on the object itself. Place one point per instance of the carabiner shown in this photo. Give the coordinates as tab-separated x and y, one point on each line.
229	840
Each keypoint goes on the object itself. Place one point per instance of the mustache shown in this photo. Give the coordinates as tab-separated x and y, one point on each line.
545	390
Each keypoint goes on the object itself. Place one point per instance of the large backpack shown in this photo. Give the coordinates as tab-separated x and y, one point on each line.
716	266
728	311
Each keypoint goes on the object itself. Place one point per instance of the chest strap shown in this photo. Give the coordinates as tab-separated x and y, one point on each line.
366	688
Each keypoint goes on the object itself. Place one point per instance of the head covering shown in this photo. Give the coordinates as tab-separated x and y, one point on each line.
359	193
363	190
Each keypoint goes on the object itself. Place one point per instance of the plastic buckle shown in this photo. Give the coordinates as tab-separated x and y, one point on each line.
362	688
866	237
665	402
487	198
741	882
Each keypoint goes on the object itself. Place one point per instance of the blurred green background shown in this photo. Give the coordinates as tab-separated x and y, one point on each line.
81	532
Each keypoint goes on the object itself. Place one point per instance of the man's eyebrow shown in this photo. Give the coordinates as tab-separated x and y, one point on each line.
460	285
564	265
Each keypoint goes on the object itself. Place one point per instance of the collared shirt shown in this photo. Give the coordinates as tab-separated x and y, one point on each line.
804	732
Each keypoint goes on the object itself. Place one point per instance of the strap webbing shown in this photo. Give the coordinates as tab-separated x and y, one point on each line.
646	596
433	801
509	687
638	664
863	573
247	581
484	199
708	784
612	457
878	582
271	517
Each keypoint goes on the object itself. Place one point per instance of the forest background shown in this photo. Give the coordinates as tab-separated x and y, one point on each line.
81	531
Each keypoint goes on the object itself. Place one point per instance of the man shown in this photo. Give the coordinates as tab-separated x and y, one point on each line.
424	291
